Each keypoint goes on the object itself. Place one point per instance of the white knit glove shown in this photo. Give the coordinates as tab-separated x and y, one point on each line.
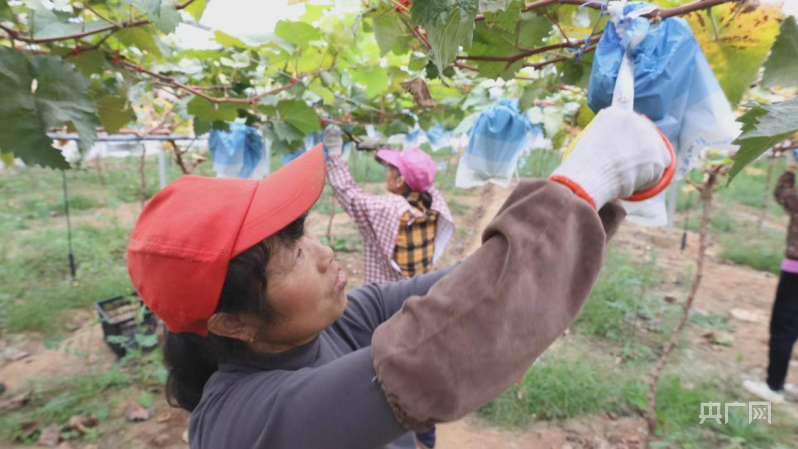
333	142
619	153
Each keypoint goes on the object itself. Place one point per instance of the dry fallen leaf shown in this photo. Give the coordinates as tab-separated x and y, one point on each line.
29	428
15	402
64	445
135	412
163	416
420	92
81	423
50	436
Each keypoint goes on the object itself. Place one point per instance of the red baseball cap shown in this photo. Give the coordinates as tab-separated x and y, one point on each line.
416	166
188	233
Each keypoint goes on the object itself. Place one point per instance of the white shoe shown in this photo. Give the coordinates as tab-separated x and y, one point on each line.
791	392
763	391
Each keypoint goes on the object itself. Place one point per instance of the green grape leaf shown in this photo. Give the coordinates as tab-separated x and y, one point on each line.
42	92
140	38
449	26
297	33
220	126
114	113
313	13
493	5
505	20
396	127
374	79
226	40
531	93
326	94
299	114
490	41
210	112
576	73
737	44
391	34
286	131
90	62
196	9
533	30
165	16
431	70
781	68
163	13
417	63
48	24
763	127
201	127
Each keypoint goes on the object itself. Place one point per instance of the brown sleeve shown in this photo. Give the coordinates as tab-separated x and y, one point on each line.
479	329
786	194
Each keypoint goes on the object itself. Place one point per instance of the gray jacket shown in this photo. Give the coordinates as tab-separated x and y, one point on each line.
395	361
321	395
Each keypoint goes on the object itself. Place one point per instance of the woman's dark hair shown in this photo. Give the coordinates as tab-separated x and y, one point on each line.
425	196
191	359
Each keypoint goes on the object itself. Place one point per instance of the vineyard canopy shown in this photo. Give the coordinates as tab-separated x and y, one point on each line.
100	66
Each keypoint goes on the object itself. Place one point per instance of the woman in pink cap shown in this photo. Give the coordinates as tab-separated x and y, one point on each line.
406	230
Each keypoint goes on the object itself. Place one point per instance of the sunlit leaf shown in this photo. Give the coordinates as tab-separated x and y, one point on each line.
298	33
228	41
737	44
391	33
196	9
374	79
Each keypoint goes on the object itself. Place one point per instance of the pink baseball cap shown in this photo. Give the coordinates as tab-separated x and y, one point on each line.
416	166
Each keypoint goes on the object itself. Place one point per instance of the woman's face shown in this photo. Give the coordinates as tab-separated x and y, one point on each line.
394	181
305	288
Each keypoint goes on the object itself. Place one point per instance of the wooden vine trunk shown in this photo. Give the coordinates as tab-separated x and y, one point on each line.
706	191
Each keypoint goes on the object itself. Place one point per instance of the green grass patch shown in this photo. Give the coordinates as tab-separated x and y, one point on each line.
619	298
764	252
559	386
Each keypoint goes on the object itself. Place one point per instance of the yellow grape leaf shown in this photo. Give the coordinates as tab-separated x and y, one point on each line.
688	188
738	43
753	171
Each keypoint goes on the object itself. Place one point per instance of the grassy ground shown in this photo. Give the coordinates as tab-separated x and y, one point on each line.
622	317
734	220
602	367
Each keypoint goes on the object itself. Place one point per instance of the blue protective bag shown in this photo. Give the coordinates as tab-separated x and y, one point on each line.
497	139
236	153
674	85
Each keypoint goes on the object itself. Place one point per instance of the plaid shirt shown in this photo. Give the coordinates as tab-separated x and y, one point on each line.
378	218
415	242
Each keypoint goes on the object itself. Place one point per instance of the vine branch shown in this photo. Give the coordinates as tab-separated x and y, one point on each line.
16	35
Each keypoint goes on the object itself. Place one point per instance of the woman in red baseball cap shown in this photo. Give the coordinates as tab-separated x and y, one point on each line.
267	349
